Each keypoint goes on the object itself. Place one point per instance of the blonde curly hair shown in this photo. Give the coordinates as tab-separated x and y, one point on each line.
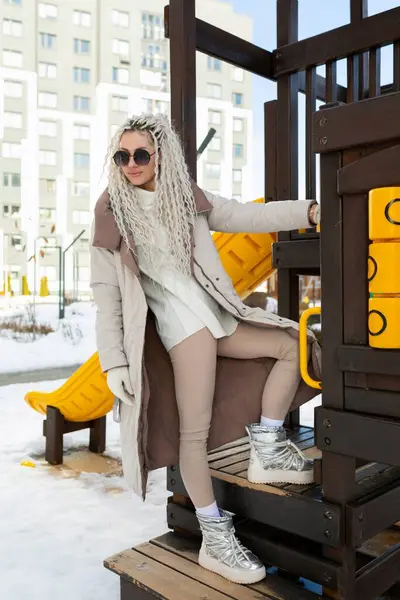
175	203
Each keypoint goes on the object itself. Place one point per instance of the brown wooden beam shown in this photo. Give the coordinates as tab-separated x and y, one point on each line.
236	51
363	359
370	121
372	402
296	254
182	26
375	577
380	169
377	30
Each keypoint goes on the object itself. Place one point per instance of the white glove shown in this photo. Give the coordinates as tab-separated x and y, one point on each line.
119	382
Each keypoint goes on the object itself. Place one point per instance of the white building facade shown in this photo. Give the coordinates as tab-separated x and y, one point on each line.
71	71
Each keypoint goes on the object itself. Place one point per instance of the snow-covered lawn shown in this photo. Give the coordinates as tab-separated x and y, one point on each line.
72	342
56	531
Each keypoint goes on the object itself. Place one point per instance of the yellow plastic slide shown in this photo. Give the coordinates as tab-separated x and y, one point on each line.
85	395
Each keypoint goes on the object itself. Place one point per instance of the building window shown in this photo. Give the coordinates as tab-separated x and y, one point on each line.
237	175
214	90
238	125
120	18
81	217
153	58
12	58
47	128
13	120
152	27
48	158
238	150
12	210
11	150
215	144
48	41
47	11
81	104
237	74
12	180
237	99
213	169
16	242
47	214
82	18
81	189
47	186
214	117
13	2
81	132
214	64
81	161
120	47
81	75
119	104
48	70
11	27
120	75
81	46
47	99
13	89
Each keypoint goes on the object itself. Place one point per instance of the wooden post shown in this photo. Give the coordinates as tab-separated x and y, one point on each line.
54	436
97	439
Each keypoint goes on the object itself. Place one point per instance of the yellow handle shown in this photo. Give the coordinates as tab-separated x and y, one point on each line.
304	345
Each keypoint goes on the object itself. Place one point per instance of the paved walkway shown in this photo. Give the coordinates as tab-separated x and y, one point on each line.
37	375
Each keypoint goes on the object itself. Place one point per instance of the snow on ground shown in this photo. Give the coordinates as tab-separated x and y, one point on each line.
55	532
72	342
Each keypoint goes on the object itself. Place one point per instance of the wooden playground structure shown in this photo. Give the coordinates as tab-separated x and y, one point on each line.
340	532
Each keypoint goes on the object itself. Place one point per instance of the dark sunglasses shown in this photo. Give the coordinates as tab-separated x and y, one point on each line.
140	156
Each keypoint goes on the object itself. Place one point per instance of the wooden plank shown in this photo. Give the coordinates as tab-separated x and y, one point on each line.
363	359
380	574
164	583
380	543
331	82
311	107
368	122
387	383
396	66
297	254
379	169
270	149
366	437
374	31
182	27
373	402
374	88
164	551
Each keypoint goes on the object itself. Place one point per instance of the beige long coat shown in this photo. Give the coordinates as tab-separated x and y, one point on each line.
126	333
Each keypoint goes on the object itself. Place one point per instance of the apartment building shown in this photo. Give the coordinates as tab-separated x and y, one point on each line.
70	72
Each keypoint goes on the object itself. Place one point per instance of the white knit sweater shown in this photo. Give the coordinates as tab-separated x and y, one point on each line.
180	305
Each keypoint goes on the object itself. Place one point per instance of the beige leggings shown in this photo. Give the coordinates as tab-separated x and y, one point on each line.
194	364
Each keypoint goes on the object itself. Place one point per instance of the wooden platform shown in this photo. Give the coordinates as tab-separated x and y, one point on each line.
166	568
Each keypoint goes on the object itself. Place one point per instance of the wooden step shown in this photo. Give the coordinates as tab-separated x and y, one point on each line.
166	568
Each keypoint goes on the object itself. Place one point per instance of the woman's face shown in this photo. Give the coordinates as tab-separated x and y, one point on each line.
140	147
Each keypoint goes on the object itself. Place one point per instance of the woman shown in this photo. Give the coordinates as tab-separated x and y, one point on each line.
174	337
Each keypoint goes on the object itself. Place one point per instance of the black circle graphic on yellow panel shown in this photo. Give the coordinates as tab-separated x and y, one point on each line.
387	211
384	323
374	268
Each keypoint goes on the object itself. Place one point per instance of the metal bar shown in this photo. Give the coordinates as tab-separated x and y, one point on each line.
300	515
238	52
363	359
369	122
182	26
206	141
378	30
358	436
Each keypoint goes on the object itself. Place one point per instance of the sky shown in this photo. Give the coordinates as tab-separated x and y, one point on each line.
314	15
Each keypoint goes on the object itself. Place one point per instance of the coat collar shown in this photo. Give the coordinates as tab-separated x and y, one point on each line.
106	232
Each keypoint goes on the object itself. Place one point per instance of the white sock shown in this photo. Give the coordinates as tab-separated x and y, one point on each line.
209	511
266	422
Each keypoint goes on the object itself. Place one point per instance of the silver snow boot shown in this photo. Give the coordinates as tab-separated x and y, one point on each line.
276	459
222	553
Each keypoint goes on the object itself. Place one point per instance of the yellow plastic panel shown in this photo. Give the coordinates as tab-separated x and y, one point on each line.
247	258
384	323
384	214
85	395
384	268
